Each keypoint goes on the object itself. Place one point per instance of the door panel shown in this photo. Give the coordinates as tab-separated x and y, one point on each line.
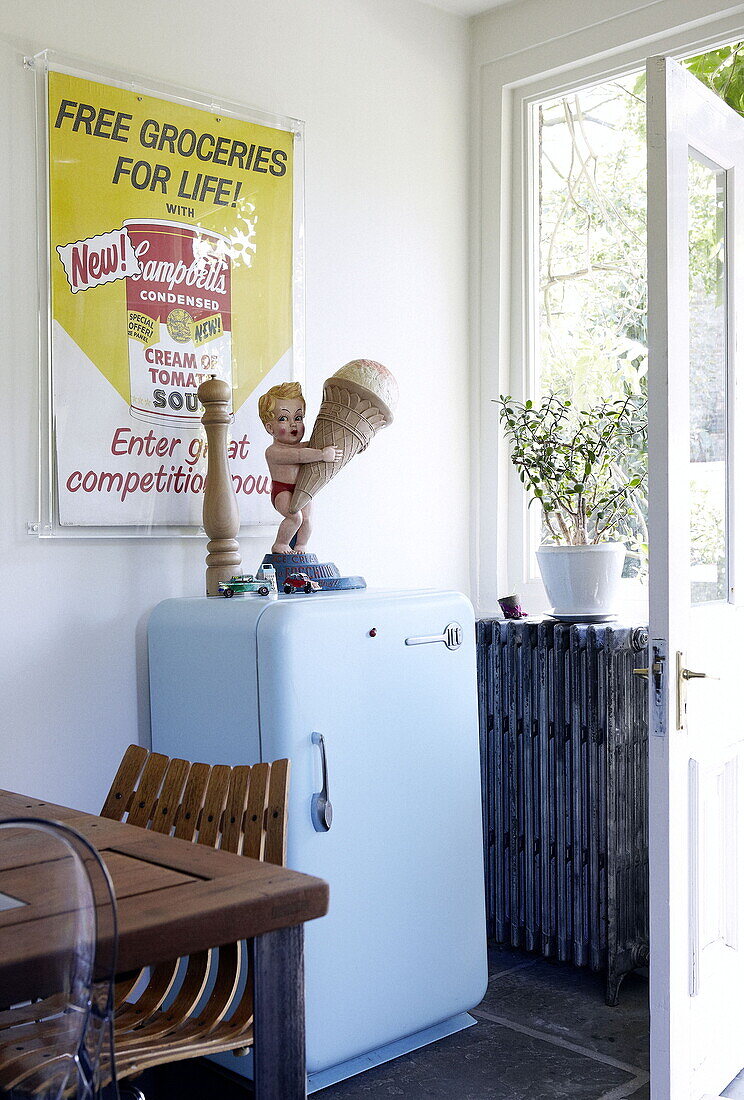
695	208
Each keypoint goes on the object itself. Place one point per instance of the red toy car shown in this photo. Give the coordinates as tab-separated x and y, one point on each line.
296	582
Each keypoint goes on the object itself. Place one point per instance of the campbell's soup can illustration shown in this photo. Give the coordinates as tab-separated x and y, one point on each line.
178	319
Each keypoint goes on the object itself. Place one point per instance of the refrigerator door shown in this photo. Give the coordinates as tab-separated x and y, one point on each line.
403	946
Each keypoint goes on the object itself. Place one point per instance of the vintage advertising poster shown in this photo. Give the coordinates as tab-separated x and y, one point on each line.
171	258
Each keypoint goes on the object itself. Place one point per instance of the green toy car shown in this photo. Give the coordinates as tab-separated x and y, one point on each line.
243	582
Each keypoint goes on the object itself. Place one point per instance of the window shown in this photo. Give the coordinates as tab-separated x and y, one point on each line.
590	333
591	341
530	89
591	205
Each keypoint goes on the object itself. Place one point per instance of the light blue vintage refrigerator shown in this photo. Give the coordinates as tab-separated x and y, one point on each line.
382	685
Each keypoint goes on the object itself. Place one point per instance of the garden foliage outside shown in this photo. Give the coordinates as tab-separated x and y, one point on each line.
592	310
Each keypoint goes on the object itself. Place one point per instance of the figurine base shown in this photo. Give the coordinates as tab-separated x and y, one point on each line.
324	573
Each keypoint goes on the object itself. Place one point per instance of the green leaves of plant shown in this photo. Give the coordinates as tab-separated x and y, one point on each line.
723	71
582	467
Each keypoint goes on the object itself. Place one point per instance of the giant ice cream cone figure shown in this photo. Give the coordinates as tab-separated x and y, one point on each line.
358	401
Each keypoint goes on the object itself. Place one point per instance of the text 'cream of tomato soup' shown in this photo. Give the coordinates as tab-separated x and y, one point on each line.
178	319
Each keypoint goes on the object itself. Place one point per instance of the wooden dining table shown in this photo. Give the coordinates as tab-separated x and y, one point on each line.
175	898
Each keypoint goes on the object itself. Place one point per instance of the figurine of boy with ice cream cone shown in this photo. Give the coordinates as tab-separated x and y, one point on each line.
282	412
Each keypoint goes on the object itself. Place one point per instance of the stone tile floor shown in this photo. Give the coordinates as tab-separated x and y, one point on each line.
544	1032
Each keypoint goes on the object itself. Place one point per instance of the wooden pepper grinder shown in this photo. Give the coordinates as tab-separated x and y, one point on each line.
221	517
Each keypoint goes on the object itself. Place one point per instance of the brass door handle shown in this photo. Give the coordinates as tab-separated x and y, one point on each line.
683	675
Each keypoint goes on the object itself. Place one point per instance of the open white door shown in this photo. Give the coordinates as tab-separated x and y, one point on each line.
696	440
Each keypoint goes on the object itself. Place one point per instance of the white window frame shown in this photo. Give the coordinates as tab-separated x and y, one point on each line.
507	83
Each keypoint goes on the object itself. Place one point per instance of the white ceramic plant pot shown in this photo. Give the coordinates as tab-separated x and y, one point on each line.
582	582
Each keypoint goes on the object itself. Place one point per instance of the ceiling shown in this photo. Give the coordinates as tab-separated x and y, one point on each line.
466	7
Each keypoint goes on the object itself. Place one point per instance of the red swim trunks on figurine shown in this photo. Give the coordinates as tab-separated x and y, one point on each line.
278	487
282	412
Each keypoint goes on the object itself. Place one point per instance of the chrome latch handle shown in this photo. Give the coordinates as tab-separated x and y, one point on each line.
452	637
321	810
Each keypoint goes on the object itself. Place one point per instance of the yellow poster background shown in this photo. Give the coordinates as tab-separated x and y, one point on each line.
84	202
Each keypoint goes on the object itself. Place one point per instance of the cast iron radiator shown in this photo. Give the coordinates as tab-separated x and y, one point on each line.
564	752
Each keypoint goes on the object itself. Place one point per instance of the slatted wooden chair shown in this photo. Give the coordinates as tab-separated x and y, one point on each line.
240	809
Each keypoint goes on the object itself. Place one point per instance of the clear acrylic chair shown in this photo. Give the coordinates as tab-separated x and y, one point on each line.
56	1037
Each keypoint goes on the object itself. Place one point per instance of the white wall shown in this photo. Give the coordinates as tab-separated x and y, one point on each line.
382	87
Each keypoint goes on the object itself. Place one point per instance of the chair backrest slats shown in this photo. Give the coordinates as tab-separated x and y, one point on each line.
253	843
242	809
187	820
232	826
125	781
148	788
214	803
275	846
169	799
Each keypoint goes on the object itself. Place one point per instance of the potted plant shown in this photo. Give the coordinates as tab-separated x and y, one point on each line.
586	468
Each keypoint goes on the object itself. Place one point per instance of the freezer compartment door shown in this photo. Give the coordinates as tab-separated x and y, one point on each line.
403	945
204	680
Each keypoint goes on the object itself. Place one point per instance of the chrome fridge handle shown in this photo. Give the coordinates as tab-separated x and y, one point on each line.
321	810
452	637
